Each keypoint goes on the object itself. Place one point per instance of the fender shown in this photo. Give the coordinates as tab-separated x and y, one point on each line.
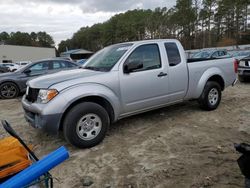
70	95
79	91
205	77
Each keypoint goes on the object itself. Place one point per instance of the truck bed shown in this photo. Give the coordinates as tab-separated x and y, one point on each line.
200	69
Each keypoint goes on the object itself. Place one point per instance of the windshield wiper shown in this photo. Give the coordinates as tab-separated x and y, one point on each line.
92	68
96	68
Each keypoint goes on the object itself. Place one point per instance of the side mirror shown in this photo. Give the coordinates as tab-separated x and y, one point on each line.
131	66
27	71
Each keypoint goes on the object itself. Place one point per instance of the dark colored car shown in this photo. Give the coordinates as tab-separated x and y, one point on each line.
211	54
82	61
14	83
244	69
4	69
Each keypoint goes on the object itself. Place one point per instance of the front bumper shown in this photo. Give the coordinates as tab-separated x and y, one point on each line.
37	118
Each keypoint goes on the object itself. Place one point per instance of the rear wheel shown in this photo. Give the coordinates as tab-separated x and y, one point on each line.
9	90
86	124
211	96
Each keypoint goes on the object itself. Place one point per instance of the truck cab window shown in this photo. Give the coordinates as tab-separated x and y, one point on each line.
173	54
148	55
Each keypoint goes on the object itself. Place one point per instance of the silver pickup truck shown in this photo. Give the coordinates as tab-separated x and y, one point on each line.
119	81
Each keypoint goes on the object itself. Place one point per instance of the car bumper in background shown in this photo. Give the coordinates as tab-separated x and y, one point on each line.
244	71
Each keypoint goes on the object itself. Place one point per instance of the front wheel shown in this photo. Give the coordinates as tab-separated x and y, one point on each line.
211	96
8	90
86	124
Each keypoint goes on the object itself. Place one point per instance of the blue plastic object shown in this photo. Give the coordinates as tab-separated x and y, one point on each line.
37	169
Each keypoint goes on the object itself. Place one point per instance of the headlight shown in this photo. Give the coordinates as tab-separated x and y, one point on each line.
45	95
242	63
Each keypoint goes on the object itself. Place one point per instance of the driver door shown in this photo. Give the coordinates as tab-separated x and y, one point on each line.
146	87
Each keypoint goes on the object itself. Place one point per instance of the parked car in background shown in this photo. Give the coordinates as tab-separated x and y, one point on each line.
211	54
12	66
119	81
4	69
22	63
244	69
82	61
240	54
65	58
13	83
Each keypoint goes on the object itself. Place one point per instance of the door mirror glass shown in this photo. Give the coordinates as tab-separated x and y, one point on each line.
132	66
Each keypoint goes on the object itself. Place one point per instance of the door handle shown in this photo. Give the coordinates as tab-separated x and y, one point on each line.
162	74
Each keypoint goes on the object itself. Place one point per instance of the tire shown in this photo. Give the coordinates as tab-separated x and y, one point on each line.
211	96
8	90
241	79
95	122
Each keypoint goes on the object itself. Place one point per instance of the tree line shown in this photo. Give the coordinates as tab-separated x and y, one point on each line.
39	39
196	23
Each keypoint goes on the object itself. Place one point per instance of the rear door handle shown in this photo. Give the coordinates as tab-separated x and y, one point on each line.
162	74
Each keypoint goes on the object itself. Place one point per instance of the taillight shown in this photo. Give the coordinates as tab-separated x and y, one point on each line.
236	64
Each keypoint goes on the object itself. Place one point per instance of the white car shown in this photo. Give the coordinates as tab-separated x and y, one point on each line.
12	66
22	63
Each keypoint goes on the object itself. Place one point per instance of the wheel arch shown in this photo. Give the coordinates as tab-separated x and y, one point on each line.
217	78
212	74
95	99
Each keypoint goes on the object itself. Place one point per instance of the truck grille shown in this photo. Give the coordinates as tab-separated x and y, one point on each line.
32	94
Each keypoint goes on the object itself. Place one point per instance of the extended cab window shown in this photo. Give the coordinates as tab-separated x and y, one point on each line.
173	53
148	55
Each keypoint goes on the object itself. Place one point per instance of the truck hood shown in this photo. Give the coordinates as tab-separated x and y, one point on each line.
62	76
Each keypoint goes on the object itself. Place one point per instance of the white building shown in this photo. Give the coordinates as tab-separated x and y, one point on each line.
13	53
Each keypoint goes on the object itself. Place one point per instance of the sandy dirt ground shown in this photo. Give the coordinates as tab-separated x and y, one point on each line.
177	146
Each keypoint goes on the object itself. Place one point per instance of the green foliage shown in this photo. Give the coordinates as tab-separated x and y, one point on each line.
196	23
40	39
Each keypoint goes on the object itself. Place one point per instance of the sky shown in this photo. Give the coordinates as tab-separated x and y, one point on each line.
62	18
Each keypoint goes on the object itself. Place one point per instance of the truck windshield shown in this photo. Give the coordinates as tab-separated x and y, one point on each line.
105	59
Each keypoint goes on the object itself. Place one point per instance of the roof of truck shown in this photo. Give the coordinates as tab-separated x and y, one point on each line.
150	40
